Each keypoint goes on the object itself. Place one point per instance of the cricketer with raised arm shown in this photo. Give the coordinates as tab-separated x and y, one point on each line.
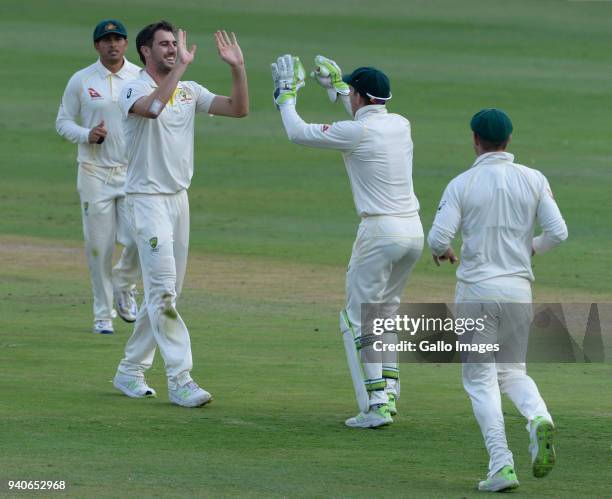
377	150
160	109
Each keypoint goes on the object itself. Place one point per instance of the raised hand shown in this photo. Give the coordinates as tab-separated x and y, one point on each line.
288	76
329	75
183	55
228	49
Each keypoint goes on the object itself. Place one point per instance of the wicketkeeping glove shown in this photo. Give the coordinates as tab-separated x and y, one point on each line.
288	75
329	75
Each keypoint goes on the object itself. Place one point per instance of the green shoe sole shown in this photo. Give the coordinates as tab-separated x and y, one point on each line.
545	459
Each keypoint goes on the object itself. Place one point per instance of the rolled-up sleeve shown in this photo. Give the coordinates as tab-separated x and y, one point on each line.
342	135
134	90
204	97
446	223
554	228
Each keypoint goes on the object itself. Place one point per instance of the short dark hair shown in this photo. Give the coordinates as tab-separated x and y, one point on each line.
490	146
363	94
147	35
368	100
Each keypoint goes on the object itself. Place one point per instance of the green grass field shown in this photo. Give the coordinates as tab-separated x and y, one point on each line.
272	228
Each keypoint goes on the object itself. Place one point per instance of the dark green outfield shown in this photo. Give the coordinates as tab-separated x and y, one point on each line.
281	388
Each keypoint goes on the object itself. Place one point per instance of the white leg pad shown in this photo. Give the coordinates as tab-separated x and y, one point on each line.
354	363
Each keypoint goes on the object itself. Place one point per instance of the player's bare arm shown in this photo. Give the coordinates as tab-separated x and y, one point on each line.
237	104
152	105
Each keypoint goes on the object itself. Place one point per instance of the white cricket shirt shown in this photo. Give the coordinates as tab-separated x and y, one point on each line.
92	95
496	204
377	151
160	151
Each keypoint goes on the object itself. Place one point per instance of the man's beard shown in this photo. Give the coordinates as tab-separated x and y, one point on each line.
162	68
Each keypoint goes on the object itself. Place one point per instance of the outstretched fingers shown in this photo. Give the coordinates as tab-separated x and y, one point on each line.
224	40
192	50
184	55
275	73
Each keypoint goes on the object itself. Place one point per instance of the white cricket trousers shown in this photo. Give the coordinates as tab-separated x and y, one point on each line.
104	222
384	254
485	382
160	223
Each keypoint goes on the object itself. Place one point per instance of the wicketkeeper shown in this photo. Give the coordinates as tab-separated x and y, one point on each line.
377	149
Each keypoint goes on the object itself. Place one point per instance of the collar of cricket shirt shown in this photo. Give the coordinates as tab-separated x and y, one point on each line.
147	77
372	108
104	71
494	157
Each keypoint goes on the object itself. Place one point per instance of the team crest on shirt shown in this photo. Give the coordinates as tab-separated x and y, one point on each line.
442	205
93	93
153	244
86	208
183	97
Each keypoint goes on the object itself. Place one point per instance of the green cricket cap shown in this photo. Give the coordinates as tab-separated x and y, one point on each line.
107	27
370	81
492	124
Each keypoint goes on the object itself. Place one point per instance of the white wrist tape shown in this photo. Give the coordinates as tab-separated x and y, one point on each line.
156	107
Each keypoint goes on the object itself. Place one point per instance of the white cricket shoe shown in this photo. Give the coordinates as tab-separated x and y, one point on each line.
133	386
125	303
504	479
542	446
103	327
374	418
188	395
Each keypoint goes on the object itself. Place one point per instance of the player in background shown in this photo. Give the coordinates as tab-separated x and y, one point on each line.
89	115
377	150
160	111
495	204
